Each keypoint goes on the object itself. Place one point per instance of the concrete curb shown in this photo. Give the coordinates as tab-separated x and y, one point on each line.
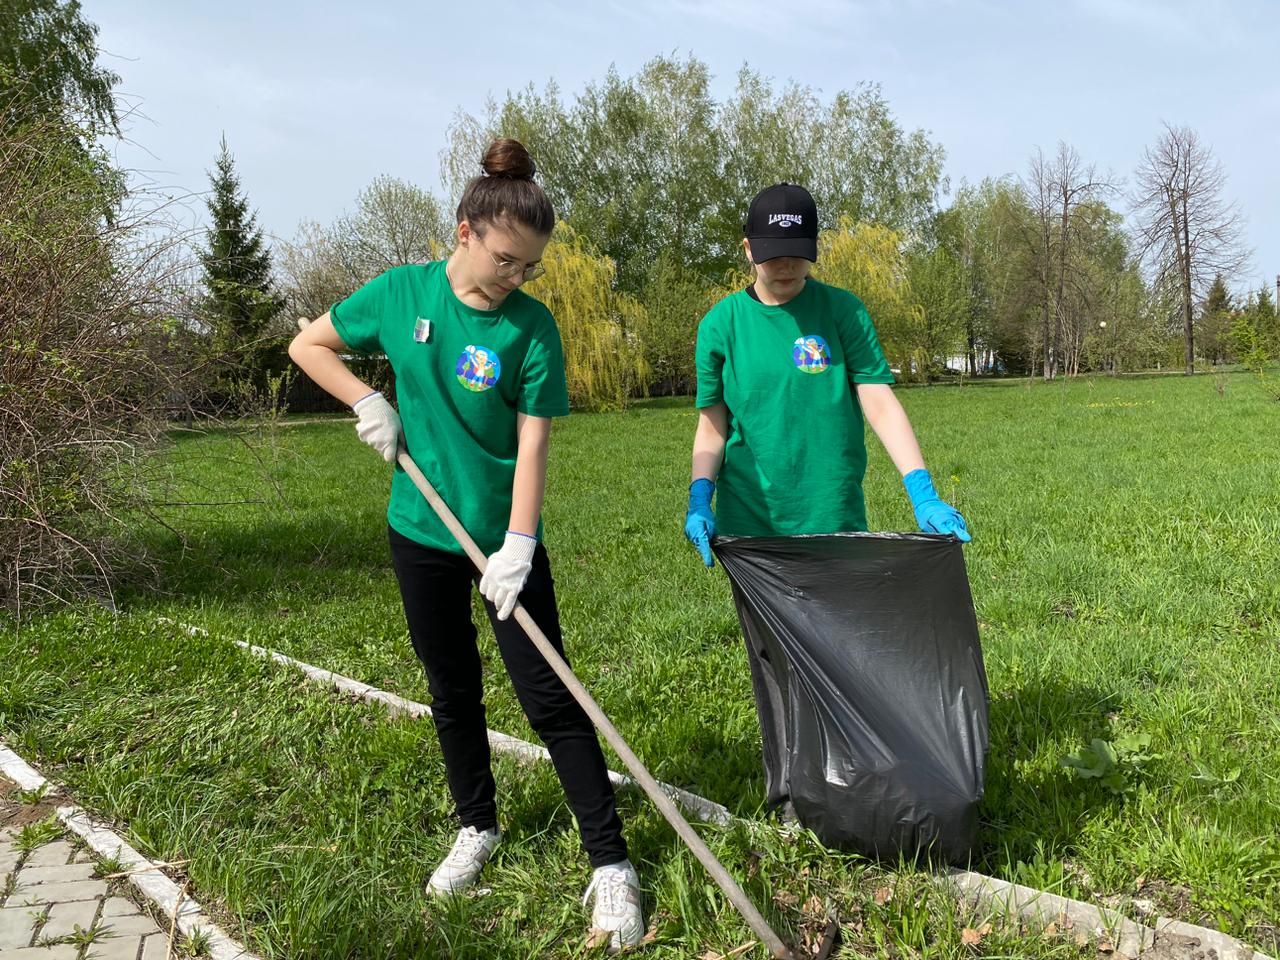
1040	909
1128	938
144	875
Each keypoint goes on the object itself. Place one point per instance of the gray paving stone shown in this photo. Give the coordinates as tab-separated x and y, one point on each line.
65	917
136	926
66	951
56	892
16	926
63	874
119	907
53	854
126	948
155	947
8	863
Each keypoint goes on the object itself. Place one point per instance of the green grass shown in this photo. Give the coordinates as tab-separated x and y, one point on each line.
1127	538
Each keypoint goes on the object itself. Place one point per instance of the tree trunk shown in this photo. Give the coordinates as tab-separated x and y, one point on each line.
1188	326
1046	339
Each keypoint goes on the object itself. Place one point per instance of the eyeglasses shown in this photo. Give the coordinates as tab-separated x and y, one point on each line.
509	268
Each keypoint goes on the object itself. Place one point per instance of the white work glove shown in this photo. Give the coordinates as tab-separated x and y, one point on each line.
506	572
378	425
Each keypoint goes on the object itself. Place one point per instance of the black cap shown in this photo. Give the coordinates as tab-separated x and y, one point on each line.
783	222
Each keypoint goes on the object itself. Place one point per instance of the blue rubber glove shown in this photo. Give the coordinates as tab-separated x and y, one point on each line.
700	522
933	513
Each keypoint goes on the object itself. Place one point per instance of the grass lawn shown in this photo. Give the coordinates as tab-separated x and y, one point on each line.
1127	538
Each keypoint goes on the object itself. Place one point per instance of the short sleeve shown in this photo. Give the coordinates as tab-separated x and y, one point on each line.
709	362
863	356
543	391
358	318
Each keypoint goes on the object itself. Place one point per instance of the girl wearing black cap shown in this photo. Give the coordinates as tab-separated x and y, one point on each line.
787	369
479	375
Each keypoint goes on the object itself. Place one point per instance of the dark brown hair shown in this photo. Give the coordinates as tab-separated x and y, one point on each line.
507	191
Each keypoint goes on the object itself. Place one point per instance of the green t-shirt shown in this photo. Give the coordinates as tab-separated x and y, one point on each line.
462	375
796	455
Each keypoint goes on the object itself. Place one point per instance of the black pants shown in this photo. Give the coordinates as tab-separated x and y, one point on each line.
436	588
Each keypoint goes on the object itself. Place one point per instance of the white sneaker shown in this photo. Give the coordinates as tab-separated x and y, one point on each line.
616	914
460	868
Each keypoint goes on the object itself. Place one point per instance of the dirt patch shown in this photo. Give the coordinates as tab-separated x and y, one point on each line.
1266	937
15	814
1172	900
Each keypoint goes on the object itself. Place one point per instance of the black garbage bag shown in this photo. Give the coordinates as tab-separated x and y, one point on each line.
870	686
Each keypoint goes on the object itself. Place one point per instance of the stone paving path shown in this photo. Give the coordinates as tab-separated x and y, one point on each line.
53	908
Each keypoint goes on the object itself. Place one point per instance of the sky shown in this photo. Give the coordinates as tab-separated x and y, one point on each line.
318	99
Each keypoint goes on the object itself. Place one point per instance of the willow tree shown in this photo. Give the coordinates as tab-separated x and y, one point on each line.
604	361
867	259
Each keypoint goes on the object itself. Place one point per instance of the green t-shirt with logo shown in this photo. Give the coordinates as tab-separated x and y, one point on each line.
462	375
796	455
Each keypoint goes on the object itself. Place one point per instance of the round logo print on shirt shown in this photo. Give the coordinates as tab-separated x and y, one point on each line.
810	354
478	368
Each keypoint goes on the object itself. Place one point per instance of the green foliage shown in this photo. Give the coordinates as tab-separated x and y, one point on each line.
49	69
868	260
1250	346
240	298
1263	309
985	229
37	834
939	286
674	300
1116	765
652	163
1214	338
604	364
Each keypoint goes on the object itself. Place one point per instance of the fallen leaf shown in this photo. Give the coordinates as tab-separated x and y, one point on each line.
883	895
1050	931
814	908
1106	946
970	937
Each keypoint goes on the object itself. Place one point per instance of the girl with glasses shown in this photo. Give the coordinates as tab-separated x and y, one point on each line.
479	375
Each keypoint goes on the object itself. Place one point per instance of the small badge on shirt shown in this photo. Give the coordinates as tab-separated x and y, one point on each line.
478	368
422	330
811	354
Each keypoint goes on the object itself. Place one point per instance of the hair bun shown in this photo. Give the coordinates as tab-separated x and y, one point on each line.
508	158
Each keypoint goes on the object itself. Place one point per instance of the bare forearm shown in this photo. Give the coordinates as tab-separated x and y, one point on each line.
315	351
889	421
529	487
709	442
